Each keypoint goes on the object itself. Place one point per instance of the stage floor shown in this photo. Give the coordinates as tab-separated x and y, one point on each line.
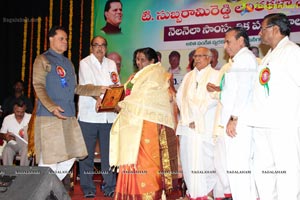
77	194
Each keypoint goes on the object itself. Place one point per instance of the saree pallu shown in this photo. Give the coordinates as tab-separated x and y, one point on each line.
152	172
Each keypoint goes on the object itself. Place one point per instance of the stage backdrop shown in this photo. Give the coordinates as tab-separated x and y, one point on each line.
184	25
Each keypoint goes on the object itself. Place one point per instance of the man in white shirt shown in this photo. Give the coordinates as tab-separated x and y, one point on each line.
175	69
14	131
276	113
236	95
96	69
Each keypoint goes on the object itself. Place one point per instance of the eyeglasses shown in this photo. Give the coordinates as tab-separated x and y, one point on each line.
99	45
263	29
200	56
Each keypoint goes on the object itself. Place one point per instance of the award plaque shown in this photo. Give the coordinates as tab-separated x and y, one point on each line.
111	98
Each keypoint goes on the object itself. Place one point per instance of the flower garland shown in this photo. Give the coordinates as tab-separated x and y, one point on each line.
38	50
50	12
60	12
38	42
128	89
46	34
70	29
92	19
132	79
129	85
80	30
30	58
24	48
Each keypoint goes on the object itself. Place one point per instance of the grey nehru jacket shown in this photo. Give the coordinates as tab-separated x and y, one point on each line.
63	96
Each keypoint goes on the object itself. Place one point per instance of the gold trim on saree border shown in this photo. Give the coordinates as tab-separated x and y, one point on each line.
166	172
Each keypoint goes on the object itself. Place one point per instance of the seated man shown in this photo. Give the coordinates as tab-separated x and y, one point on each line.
14	132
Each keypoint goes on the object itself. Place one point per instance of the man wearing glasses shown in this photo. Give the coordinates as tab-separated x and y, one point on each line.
197	111
276	113
96	69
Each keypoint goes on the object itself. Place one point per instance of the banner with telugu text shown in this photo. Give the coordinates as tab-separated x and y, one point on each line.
183	25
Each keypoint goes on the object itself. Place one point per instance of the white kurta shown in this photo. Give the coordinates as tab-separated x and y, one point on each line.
92	72
235	98
196	145
276	120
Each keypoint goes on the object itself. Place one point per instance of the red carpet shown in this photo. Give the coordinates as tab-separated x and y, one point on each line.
77	193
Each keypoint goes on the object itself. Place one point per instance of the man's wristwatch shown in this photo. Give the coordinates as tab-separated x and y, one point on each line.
233	118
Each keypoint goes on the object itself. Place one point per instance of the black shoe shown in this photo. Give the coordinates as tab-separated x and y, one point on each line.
228	198
109	194
89	195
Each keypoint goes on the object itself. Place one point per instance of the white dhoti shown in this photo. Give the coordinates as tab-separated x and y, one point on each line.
239	151
197	165
222	188
197	109
277	163
61	169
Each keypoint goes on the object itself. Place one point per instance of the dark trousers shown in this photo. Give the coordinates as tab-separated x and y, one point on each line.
91	132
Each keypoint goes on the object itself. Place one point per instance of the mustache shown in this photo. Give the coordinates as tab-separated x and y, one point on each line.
100	51
195	63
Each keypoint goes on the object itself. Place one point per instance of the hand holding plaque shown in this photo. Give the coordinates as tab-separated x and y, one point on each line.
111	98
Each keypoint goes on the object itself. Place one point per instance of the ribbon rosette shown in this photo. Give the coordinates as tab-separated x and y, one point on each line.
21	133
114	77
62	74
264	77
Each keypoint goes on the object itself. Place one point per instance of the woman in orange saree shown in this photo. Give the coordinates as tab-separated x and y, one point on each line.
139	136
